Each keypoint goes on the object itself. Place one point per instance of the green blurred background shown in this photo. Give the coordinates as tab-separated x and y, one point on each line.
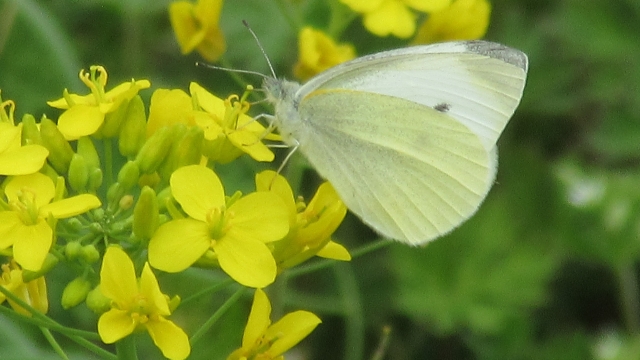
545	270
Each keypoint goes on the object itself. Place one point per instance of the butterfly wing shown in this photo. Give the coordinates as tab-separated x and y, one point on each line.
411	172
478	83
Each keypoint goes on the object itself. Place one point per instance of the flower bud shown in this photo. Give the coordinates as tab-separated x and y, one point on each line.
189	151
78	173
60	152
72	250
183	137
95	180
97	302
90	254
129	175
88	151
30	131
155	150
133	129
114	194
145	214
75	292
112	121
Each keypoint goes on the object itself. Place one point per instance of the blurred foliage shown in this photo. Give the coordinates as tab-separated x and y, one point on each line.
547	269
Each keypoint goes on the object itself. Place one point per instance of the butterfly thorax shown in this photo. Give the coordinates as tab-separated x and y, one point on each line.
283	95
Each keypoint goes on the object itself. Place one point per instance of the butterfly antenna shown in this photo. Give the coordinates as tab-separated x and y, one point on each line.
215	67
264	53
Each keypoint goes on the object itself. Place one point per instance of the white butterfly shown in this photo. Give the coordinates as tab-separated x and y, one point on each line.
407	137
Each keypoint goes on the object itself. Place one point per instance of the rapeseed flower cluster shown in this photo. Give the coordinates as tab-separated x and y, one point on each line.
120	196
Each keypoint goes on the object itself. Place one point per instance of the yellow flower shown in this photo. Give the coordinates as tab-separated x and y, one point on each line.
318	52
311	226
16	159
137	304
393	17
34	292
228	131
462	20
84	115
25	227
197	27
263	341
235	232
169	107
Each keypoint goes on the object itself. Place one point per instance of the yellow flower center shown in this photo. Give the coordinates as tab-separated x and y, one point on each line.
95	80
218	220
26	207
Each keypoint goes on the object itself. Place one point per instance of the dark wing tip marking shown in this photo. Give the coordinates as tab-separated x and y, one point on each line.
498	51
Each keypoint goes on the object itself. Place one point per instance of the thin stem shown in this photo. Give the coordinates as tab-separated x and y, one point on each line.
108	161
54	344
352	305
126	348
209	290
38	319
216	316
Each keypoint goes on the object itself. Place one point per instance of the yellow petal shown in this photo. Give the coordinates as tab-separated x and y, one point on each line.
427	5
362	5
207	101
80	120
9	222
250	143
391	18
72	206
23	160
176	245
39	184
247	261
212	45
118	279
150	289
207	122
198	190
9	136
290	330
114	325
261	216
32	244
334	251
168	107
269	180
184	25
463	20
259	319
172	340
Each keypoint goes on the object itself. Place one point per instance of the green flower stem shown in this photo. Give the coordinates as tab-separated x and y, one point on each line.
325	263
54	344
629	297
207	291
216	316
108	161
352	307
277	294
126	348
78	336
